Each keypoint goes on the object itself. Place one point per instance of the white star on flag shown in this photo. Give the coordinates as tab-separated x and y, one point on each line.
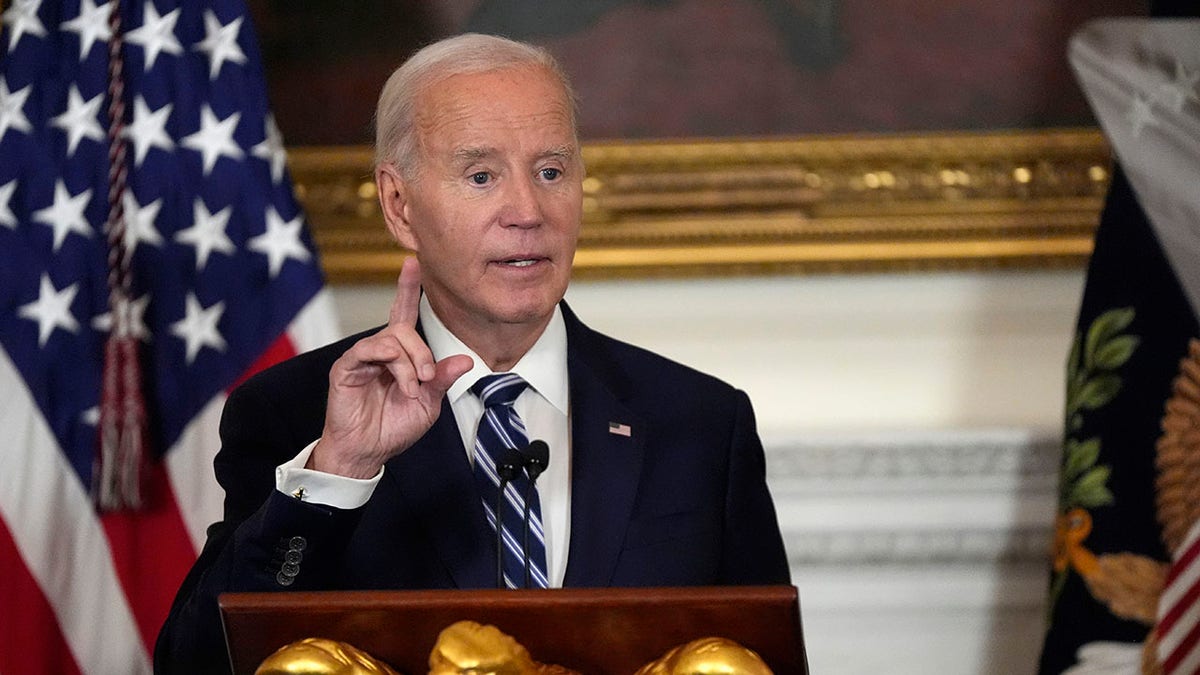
91	25
11	104
198	327
220	42
91	416
51	310
148	130
139	223
1140	115
131	318
7	219
215	138
23	18
271	150
207	233
78	121
65	215
280	242
156	34
1175	94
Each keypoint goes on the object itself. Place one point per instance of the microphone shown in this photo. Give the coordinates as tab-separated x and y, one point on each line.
508	467
536	458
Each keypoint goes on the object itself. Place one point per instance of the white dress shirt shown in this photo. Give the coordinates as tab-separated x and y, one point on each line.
543	407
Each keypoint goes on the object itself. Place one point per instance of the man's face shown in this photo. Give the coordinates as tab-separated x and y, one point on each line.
494	206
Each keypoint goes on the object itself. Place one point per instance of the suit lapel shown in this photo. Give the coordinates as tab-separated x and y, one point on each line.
438	487
605	465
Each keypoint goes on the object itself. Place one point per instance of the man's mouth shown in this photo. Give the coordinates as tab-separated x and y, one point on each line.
520	262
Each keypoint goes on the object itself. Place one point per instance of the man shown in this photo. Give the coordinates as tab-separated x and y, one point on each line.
655	472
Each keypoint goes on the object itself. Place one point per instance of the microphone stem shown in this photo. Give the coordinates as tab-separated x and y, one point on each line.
500	534
525	543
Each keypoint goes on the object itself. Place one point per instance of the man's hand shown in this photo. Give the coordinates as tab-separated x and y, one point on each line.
385	392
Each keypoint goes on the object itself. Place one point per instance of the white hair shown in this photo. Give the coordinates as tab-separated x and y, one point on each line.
469	53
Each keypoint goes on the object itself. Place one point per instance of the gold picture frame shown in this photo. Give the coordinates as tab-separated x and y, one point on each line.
978	200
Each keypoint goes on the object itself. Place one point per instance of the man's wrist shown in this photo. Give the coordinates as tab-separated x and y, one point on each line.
323	459
293	478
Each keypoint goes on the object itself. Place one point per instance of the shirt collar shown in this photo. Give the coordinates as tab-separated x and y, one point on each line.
544	366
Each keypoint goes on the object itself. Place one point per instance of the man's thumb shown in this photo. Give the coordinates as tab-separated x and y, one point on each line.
448	370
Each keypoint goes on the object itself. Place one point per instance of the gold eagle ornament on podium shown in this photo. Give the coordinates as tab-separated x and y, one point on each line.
470	648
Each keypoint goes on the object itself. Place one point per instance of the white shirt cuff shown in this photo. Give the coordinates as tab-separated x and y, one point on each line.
318	487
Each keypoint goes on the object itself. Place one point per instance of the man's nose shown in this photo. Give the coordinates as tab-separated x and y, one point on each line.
523	207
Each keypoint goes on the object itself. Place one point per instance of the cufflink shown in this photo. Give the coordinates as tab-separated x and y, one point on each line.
299	493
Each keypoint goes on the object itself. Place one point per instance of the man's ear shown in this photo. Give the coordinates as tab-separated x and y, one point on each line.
394	191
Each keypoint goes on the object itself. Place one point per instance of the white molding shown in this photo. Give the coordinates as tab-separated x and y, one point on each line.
976	497
974	454
919	546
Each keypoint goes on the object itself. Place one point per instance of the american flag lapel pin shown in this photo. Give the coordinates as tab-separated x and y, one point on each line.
619	429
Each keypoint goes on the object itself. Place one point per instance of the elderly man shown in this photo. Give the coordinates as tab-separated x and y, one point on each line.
390	459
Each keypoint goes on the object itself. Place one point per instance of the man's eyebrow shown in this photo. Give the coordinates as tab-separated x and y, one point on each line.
472	154
560	152
467	155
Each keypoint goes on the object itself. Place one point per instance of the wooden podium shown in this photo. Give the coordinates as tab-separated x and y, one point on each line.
594	631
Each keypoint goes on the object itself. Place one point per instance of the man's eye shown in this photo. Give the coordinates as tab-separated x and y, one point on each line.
480	177
551	173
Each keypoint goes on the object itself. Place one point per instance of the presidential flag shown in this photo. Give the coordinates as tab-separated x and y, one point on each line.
144	196
1126	591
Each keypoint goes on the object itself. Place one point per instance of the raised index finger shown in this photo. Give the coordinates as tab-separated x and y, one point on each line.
405	307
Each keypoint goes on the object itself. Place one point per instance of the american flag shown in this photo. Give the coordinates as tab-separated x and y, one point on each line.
225	280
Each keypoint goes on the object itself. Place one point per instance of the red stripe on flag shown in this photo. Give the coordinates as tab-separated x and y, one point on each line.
30	631
1183	562
280	350
1186	601
151	553
1168	619
1185	647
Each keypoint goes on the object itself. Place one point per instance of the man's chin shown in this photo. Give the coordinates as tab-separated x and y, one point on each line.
517	311
525	316
523	304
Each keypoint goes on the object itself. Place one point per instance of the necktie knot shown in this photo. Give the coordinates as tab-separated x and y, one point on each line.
500	389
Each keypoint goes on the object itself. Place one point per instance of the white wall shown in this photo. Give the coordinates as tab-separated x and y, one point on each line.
903	351
911	425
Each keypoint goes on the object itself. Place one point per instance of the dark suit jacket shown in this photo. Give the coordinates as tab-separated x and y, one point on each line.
681	501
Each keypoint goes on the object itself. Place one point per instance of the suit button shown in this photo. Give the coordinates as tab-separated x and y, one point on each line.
284	580
297	543
290	569
293	556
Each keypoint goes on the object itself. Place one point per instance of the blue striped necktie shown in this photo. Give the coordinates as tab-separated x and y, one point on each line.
501	429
